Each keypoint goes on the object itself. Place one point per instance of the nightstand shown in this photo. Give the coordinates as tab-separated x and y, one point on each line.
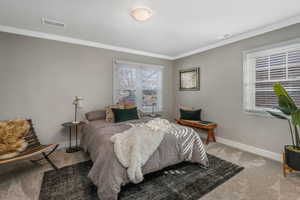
73	127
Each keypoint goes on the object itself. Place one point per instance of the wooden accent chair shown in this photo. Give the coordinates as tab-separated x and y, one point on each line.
34	148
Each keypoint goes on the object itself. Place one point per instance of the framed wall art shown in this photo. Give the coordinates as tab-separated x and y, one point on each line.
189	79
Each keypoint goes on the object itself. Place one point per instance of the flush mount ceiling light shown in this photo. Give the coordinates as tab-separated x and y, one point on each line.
141	14
223	37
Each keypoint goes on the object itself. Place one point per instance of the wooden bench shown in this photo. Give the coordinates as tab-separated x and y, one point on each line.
209	127
34	148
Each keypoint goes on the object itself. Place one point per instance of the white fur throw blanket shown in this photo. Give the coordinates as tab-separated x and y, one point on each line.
134	146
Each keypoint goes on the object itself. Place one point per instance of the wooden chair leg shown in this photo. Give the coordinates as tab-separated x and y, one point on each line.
210	136
207	138
213	136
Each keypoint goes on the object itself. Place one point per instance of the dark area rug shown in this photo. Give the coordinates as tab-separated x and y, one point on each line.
185	181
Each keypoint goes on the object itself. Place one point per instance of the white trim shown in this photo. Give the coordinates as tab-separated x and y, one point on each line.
235	38
48	36
273	48
245	35
249	70
262	152
116	61
244	147
138	65
248	148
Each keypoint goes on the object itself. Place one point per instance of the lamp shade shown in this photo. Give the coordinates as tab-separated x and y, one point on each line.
78	101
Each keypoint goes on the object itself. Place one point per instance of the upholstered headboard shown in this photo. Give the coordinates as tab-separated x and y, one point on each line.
95	115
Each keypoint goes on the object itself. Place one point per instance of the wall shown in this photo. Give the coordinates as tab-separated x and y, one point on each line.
39	79
221	92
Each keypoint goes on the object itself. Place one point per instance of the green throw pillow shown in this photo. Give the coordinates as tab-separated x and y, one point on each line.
190	114
122	115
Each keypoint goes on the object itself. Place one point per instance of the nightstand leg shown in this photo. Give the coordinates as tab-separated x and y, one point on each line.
76	136
69	150
70	137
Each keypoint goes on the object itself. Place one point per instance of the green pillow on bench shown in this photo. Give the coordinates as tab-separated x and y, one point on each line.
190	114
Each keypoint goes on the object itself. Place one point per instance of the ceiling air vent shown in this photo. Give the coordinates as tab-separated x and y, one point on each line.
53	22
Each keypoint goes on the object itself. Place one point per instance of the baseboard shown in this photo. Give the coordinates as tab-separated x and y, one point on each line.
244	147
251	149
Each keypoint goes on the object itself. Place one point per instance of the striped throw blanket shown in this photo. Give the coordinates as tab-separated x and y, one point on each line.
189	141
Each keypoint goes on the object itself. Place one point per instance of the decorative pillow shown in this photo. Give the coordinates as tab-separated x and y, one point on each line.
133	105
95	115
190	114
109	114
122	115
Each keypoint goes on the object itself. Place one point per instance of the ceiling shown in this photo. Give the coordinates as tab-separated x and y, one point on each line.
177	27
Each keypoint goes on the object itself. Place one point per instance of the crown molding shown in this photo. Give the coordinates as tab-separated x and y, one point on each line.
36	34
244	35
235	38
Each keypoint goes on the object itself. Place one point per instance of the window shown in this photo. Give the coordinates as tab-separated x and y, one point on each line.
263	67
138	83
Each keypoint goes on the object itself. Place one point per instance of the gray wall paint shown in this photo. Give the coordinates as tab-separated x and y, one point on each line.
221	92
39	78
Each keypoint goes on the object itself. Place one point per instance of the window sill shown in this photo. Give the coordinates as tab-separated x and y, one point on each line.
260	113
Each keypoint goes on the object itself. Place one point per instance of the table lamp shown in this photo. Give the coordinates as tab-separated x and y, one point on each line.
153	104
77	104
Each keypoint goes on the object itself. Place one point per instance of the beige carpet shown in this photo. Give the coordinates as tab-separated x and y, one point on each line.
260	180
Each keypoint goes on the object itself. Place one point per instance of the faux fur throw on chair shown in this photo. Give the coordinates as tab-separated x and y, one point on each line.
134	147
12	141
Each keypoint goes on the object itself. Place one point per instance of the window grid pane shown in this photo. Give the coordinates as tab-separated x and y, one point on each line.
139	85
281	67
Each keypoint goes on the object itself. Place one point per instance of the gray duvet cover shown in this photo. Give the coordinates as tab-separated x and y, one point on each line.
107	173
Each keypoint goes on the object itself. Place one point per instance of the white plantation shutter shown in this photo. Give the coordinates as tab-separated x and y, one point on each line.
264	67
138	83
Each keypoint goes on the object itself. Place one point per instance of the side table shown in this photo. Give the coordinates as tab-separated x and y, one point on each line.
73	126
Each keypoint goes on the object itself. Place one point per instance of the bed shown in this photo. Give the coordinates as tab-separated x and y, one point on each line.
108	174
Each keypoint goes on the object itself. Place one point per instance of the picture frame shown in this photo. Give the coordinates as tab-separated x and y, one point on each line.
189	79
